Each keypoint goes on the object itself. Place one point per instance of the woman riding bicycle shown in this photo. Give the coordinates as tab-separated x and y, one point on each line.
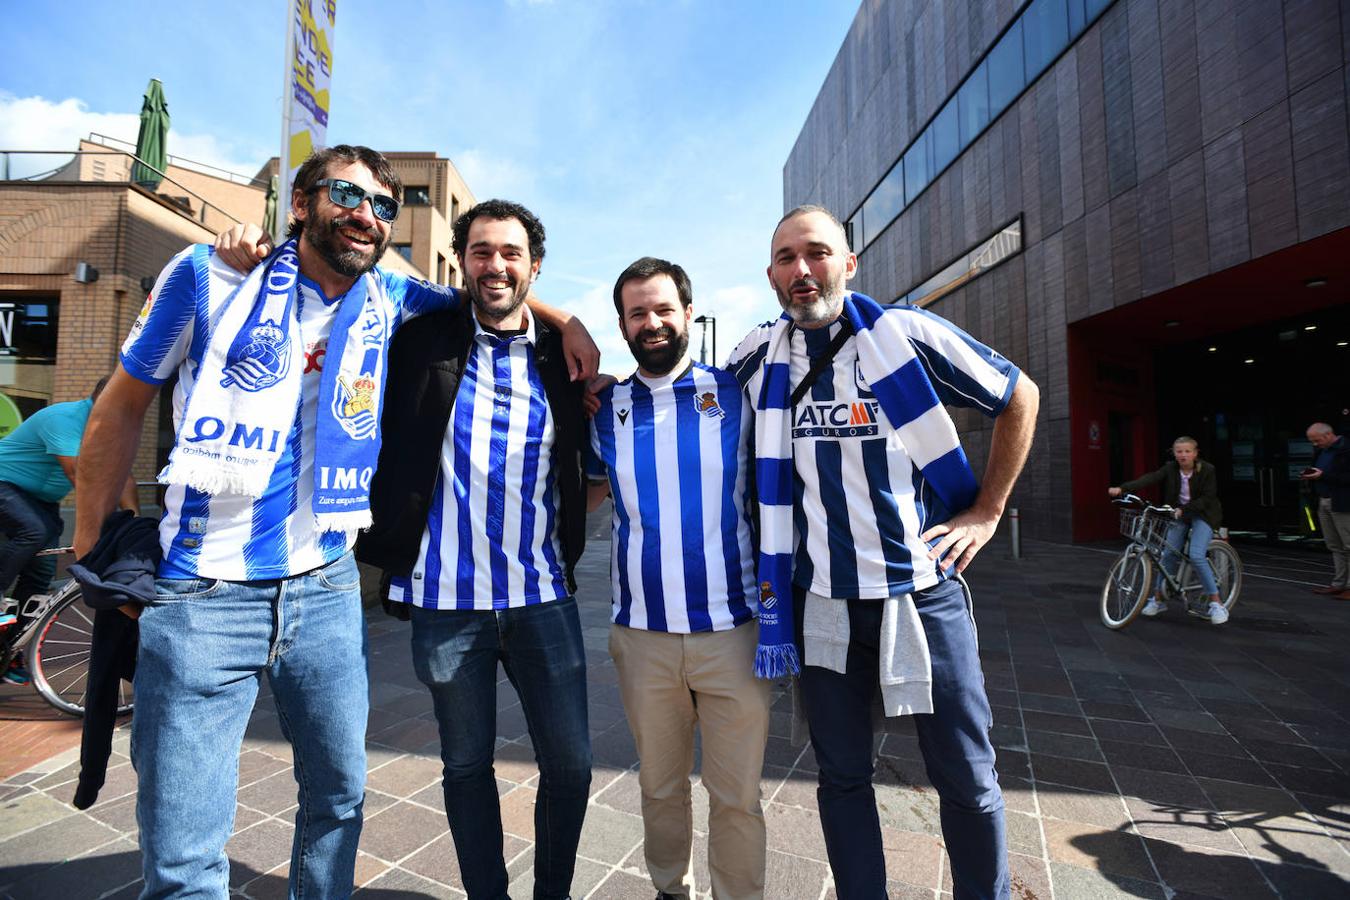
1192	487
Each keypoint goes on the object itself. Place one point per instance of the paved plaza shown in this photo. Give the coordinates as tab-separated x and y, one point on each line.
1174	759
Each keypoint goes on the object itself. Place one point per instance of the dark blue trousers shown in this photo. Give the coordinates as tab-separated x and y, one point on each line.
954	740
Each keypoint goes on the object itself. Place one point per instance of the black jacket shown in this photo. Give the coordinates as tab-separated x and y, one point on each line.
426	361
119	569
1204	490
1337	475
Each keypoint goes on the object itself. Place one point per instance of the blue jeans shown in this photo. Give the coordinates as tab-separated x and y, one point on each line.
204	647
1201	535
28	525
455	654
954	740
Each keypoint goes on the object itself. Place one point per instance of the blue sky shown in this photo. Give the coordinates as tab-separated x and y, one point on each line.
630	128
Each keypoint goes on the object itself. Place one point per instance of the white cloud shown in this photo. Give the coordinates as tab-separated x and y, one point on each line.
36	123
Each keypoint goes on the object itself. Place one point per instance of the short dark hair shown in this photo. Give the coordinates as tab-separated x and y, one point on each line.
98	388
501	210
650	267
315	169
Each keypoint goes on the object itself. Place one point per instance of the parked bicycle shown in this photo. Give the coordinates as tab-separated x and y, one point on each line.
1130	581
58	630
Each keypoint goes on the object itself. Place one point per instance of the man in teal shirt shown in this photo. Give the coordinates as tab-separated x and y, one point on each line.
37	469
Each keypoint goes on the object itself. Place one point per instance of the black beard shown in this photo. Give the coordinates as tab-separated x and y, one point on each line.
347	263
495	315
660	362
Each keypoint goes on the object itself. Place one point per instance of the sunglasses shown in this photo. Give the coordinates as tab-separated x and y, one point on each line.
350	196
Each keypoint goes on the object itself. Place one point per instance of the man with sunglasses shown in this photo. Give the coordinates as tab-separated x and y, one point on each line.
276	412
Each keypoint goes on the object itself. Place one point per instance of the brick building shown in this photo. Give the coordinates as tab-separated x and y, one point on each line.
60	327
1144	203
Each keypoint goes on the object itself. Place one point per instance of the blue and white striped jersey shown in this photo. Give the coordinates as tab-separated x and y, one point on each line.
232	536
860	502
676	452
491	540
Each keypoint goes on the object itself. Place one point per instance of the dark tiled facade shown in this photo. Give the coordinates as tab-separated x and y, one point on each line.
1174	139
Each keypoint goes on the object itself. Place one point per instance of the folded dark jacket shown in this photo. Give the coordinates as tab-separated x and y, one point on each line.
120	569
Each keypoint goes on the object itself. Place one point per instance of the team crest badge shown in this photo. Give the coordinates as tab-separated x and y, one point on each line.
706	404
766	597
260	363
354	406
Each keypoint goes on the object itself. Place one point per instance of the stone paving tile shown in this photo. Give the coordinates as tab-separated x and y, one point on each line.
1231	749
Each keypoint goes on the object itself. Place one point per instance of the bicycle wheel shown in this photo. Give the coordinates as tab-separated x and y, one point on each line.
1227	566
1126	588
60	657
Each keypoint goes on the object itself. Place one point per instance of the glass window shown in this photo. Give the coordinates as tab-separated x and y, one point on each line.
1094	7
917	172
1077	18
1045	31
417	195
946	140
853	230
973	103
27	356
1006	78
884	205
404	250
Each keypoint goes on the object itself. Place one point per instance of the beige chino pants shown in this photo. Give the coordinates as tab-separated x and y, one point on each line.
669	684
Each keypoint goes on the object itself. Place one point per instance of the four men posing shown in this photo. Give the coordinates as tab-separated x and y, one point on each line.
475	509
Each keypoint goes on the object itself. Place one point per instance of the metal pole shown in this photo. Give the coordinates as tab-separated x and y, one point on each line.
1015	532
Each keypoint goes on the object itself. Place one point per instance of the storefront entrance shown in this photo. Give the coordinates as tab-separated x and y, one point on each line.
1243	361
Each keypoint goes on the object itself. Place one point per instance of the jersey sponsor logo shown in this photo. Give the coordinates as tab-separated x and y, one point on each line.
141	318
623	417
837	420
706	404
314	355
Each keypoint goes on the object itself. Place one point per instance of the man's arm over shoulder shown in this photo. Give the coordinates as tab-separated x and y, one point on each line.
175	310
416	296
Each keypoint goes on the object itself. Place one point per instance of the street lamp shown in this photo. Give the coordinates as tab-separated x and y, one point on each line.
708	322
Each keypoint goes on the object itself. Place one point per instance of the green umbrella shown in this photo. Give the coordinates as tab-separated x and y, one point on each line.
269	222
152	141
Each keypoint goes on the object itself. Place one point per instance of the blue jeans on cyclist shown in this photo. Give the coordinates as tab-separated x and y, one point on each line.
1201	534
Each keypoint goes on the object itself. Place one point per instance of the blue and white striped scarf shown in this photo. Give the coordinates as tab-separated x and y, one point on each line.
243	403
897	377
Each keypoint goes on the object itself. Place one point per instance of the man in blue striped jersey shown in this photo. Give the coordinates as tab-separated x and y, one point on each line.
276	411
672	443
479	518
868	512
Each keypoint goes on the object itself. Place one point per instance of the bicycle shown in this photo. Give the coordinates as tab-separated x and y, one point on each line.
60	630
1130	580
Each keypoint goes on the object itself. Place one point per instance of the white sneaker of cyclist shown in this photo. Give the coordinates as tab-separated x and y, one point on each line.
1153	607
1217	614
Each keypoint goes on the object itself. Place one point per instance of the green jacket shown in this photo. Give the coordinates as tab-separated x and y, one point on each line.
1204	490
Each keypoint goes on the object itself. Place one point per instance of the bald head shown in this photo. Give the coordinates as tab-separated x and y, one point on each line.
1321	435
812	209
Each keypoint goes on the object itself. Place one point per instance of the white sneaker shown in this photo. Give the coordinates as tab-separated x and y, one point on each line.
1217	614
1153	607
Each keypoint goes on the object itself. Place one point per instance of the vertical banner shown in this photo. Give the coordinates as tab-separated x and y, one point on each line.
309	69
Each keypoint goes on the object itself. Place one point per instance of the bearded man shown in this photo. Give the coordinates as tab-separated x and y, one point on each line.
479	507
